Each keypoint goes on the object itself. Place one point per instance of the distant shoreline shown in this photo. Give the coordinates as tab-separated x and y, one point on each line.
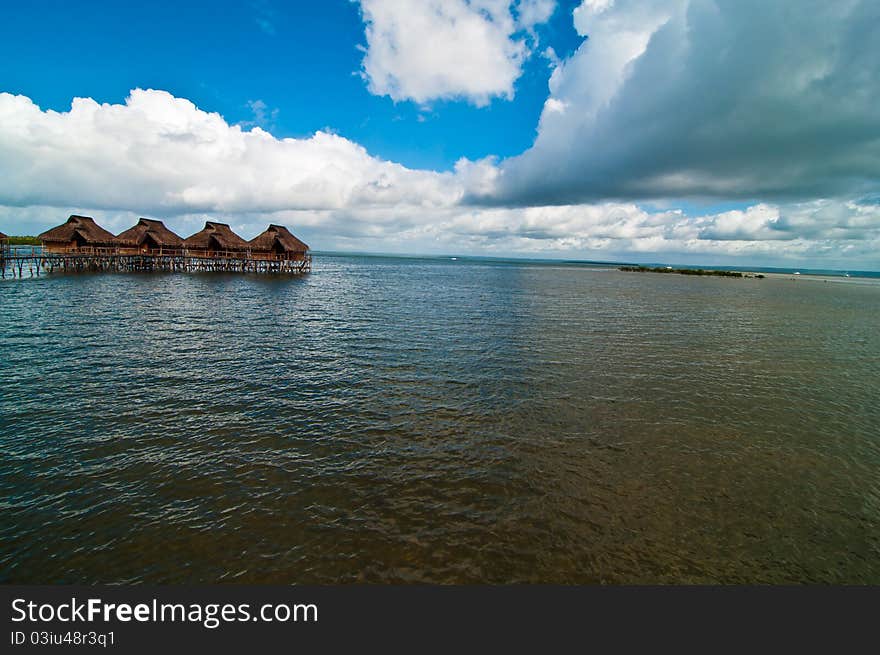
793	276
23	241
691	271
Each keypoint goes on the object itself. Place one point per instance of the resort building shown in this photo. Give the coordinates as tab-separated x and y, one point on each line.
79	234
278	243
215	238
148	236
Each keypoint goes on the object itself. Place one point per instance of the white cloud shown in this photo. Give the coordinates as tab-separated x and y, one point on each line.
593	7
530	13
162	154
554	105
709	98
821	230
442	49
264	117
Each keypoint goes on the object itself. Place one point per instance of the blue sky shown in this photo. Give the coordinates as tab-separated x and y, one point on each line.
702	131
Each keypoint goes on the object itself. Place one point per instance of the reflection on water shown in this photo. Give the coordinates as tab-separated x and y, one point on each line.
389	420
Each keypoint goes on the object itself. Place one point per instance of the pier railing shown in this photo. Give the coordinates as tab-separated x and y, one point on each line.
175	252
20	262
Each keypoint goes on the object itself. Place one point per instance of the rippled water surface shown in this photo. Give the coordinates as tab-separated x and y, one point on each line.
393	420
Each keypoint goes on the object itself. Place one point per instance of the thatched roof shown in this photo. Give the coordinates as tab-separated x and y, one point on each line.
215	236
277	238
3	237
148	228
85	227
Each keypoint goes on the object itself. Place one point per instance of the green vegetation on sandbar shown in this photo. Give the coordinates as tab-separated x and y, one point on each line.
24	241
688	271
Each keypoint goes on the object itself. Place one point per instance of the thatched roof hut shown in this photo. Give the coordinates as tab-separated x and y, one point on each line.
149	234
215	236
278	240
78	232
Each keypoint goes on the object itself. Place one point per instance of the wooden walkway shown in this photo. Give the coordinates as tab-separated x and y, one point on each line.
19	263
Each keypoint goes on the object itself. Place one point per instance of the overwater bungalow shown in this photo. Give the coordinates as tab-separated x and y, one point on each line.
78	234
82	245
148	236
278	243
215	238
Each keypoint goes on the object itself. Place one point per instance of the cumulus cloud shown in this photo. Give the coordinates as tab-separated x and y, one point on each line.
823	230
530	13
710	98
442	49
163	154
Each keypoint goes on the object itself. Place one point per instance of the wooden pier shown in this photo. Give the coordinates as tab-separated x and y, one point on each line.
33	262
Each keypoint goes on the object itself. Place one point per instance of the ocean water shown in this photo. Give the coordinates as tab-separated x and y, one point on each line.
401	420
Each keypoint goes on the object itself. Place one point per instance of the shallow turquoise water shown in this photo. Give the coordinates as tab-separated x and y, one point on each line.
398	420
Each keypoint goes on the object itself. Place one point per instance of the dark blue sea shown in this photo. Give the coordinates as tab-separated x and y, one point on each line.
391	420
